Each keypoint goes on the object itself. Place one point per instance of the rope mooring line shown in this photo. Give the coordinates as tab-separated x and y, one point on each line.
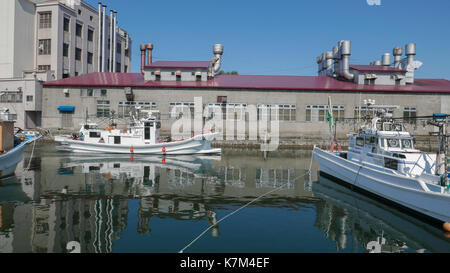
234	212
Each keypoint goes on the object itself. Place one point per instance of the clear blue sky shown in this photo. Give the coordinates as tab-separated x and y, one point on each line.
284	37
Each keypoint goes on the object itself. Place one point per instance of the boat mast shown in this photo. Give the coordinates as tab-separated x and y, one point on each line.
440	121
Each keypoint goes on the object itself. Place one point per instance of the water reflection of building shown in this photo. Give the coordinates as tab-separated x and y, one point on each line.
375	228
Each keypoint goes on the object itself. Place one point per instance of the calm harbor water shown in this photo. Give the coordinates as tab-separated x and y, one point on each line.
61	202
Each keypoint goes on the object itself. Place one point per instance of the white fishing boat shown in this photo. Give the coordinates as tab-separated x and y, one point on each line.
141	137
11	147
382	162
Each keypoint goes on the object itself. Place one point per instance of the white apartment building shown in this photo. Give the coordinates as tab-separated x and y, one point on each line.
54	39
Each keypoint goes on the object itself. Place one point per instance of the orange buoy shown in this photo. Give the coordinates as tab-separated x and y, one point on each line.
164	150
447	235
131	149
163	161
108	176
131	158
446	226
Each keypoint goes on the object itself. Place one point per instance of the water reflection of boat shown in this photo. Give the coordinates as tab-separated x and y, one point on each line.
377	227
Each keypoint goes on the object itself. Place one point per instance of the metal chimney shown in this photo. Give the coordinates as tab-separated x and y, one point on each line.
377	62
149	54
397	52
386	59
104	40
329	63
111	31
99	40
410	52
216	61
114	35
143	49
345	51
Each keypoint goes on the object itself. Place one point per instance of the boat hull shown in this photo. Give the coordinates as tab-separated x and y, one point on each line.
197	145
406	193
9	161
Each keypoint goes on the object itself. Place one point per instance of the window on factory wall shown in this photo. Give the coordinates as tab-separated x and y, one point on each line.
78	54
119	48
128	108
66	120
66	24
65	50
29	98
44	67
90	57
90	35
181	109
198	78
236	111
45	47
90	92
127	52
79	30
318	113
286	112
45	19
11	96
118	67
103	109
125	69
410	114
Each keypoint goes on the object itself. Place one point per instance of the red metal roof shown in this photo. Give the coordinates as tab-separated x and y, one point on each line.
376	68
179	64
269	83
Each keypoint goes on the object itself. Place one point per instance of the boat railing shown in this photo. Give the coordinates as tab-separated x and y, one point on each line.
5	116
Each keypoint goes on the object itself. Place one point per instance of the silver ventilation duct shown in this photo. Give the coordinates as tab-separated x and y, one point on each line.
345	52
329	63
110	64
103	39
386	59
216	61
410	52
114	35
377	62
397	52
99	31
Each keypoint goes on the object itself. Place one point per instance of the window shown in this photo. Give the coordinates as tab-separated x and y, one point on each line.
360	141
90	57
66	24
45	47
119	48
79	12
287	112
12	97
78	30
29	98
90	35
127	52
66	50
44	67
410	114
178	78
368	113
65	75
125	69
118	67
103	108
45	19
78	54
198	78
103	92
319	112
126	108
222	99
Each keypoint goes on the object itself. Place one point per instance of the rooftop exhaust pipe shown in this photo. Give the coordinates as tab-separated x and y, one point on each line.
114	40
99	48
111	42
386	59
377	62
345	52
397	52
143	49
103	39
149	48
216	61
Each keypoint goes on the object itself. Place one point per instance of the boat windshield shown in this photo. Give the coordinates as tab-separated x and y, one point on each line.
393	143
407	143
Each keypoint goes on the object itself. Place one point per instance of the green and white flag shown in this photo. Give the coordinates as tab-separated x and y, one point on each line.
330	118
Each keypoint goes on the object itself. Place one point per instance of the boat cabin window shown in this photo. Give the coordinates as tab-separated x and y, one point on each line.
370	140
407	143
116	139
360	141
393	143
94	134
381	142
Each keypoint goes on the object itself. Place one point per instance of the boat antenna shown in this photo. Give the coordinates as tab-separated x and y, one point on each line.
332	124
440	121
